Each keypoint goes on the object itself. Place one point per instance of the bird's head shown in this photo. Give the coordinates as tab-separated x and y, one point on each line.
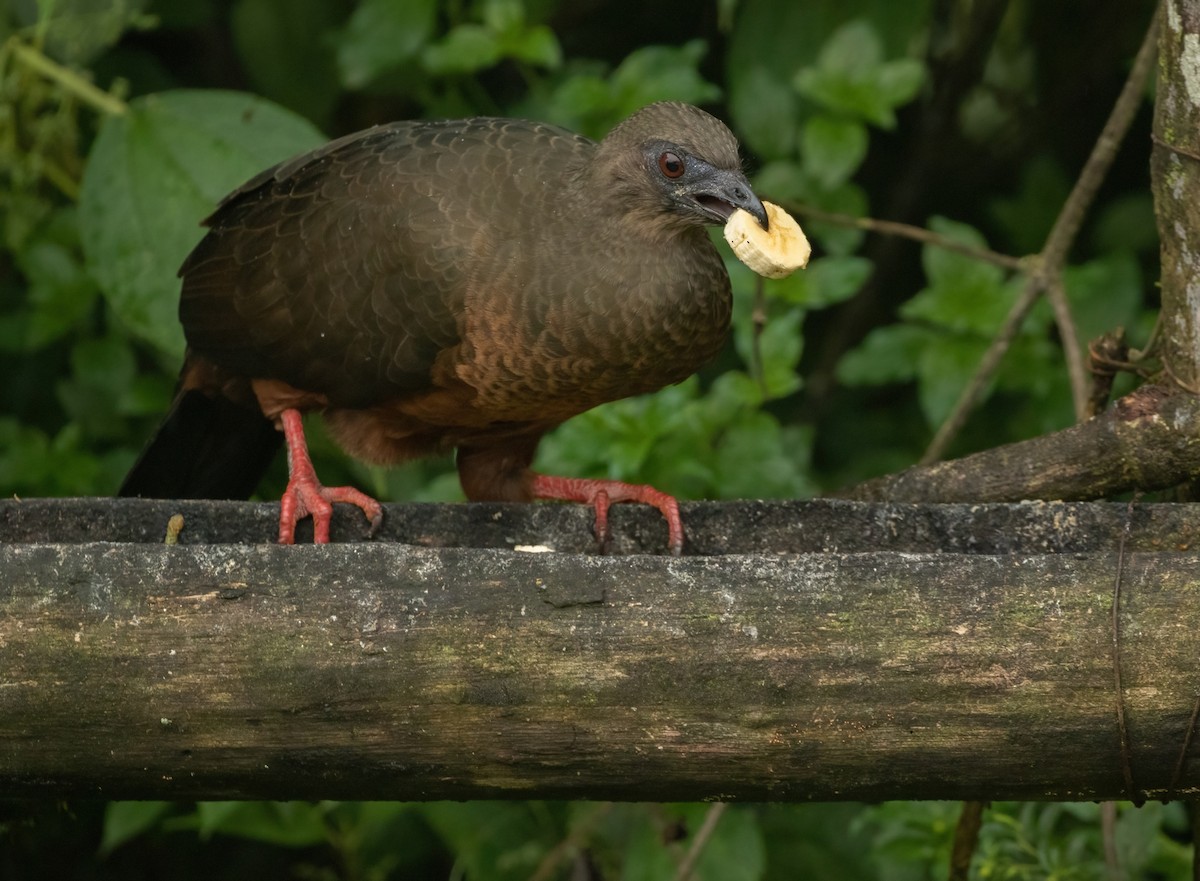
678	163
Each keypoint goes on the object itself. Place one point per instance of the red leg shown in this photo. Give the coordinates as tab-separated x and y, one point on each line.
305	495
602	493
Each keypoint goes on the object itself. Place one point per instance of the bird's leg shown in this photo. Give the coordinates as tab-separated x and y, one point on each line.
305	495
602	493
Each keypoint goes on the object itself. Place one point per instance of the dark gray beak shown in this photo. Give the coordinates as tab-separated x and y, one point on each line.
719	192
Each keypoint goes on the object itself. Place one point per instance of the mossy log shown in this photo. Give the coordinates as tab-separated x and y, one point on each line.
818	651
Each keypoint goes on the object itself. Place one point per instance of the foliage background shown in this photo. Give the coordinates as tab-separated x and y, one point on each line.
934	112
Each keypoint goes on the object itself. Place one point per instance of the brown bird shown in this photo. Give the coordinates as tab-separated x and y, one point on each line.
464	284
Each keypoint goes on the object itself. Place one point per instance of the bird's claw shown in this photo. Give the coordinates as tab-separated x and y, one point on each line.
602	494
307	497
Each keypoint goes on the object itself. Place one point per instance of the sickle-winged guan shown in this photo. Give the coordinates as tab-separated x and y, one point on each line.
462	284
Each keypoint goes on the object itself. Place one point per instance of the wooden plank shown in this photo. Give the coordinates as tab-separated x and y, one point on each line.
382	670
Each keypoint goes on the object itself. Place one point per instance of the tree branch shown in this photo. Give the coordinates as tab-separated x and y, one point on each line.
1175	177
966	838
1148	440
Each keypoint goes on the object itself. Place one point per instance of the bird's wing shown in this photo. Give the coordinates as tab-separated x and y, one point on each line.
344	271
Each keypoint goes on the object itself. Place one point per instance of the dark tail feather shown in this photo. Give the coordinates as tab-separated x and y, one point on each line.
206	448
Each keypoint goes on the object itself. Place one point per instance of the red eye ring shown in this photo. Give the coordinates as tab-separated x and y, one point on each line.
671	165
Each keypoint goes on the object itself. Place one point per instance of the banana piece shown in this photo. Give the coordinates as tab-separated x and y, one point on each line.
773	253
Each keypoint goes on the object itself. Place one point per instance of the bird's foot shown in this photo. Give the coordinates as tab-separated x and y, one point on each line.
306	496
600	494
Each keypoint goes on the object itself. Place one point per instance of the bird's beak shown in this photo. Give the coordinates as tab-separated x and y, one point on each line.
719	192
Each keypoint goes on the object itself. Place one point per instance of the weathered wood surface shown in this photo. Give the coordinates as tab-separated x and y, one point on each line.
742	527
817	651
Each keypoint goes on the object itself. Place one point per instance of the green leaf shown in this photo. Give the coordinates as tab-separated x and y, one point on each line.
587	100
758	459
833	148
784	181
848	199
899	81
771	41
780	345
660	73
126	820
102	373
105	363
1033	369
1105	293
578	97
853	49
23	456
284	823
1027	216
851	77
687	443
766	113
964	293
943	265
496	841
153	174
943	369
60	291
504	16
381	35
820	837
645	857
887	355
31	462
537	45
285	47
76	31
826	281
836	279
911	834
466	49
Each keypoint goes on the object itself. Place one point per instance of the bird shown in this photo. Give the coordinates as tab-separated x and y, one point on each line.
438	285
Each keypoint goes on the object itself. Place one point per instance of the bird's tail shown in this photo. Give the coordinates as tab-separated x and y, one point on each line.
208	447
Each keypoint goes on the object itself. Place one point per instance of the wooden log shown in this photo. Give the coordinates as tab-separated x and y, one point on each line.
387	670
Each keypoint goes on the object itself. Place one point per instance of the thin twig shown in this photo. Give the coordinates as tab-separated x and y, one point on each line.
966	839
1181	761
688	865
907	231
1174	377
573	842
1174	148
1108	834
68	80
1047	267
758	320
1072	351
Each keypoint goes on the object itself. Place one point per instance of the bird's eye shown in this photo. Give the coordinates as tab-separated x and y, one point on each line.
670	165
